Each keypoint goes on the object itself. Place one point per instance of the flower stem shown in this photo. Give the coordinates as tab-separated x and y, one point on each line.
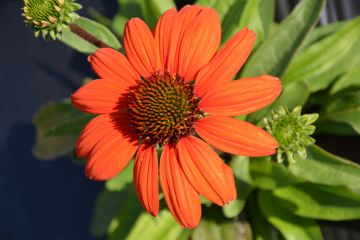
87	36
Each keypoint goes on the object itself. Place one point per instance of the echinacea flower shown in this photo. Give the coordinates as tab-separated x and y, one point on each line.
173	90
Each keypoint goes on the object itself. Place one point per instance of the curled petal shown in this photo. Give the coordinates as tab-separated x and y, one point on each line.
236	136
146	178
182	199
242	96
206	171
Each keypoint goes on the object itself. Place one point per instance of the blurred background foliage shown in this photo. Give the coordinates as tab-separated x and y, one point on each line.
315	55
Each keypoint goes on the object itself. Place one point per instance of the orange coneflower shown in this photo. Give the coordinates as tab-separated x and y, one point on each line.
174	90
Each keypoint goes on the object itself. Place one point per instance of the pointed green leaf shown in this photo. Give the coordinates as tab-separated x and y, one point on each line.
321	32
292	227
324	61
325	168
273	56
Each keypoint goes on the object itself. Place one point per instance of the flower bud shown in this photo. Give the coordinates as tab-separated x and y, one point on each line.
292	131
49	17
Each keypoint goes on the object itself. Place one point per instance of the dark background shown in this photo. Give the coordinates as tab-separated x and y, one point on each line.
53	200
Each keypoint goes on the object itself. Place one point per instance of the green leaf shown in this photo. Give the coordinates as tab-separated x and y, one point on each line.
48	119
223	7
261	229
336	128
319	201
148	10
292	227
240	167
72	126
273	56
122	179
270	175
98	30
320	33
257	15
324	61
115	213
162	227
325	168
210	230
293	94
232	19
349	79
344	107
106	207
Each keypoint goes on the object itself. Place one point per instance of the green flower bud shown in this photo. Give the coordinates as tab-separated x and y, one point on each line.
49	17
292	131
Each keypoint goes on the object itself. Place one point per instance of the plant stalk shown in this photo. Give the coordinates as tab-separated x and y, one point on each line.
87	36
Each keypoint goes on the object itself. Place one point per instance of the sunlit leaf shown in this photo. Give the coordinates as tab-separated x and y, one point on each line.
321	63
273	56
122	179
96	29
319	201
163	226
325	168
350	79
321	32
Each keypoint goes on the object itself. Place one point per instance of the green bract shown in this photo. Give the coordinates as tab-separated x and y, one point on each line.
291	130
49	17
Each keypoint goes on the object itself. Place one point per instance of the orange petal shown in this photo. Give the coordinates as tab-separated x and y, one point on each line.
113	151
166	36
226	63
206	171
100	96
140	47
111	64
241	97
146	178
182	199
236	136
199	39
92	133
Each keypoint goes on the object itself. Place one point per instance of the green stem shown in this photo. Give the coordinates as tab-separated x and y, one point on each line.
87	36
